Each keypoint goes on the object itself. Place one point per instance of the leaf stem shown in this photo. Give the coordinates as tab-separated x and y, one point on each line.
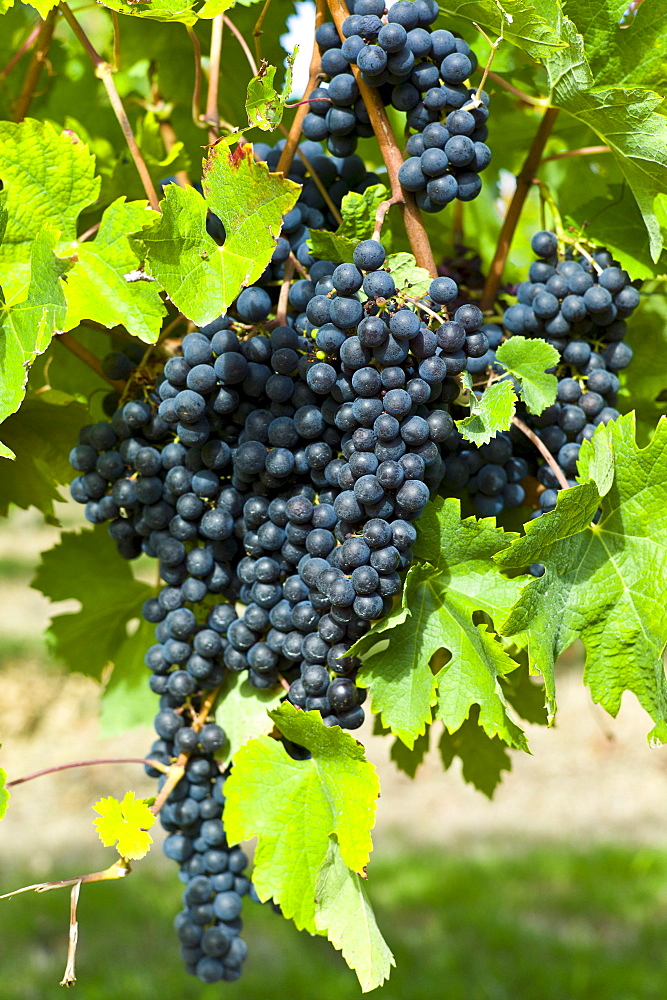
211	116
281	311
536	102
88	358
257	31
104	72
582	151
28	44
523	185
69	977
294	134
242	42
86	763
544	451
42	44
392	157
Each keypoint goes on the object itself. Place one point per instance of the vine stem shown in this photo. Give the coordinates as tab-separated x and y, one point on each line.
281	312
88	358
536	102
86	763
211	116
294	134
119	869
177	769
582	151
196	90
104	72
42	43
392	157
544	451
523	184
69	977
28	44
257	31
242	42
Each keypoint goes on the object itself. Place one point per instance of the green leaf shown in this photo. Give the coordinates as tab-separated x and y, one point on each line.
408	278
358	215
344	912
596	459
605	583
531	26
483	759
49	179
4	794
644	384
243	712
87	640
527	360
41	435
159	10
358	212
407	760
437	610
634	56
28	326
96	286
496	409
201	278
330	246
264	105
297	805
127	701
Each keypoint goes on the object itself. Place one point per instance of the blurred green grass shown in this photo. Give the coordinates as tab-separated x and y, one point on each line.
547	924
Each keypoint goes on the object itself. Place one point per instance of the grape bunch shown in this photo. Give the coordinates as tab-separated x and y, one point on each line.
274	467
419	72
580	305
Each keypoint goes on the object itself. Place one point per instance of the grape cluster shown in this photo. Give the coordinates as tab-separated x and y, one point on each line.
419	72
208	927
579	304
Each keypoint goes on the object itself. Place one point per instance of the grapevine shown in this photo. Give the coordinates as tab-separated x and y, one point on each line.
374	428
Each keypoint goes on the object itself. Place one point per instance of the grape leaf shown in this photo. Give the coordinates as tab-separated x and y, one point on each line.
41	456
344	912
4	794
436	613
612	219
604	583
49	179
527	360
330	246
528	25
243	712
159	10
496	409
408	278
264	105
596	459
358	212
644	384
631	56
125	824
127	701
27	326
407	760
483	758
201	278
87	640
96	285
358	215
293	806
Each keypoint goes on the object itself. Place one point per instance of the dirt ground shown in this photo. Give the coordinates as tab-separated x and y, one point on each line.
589	779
